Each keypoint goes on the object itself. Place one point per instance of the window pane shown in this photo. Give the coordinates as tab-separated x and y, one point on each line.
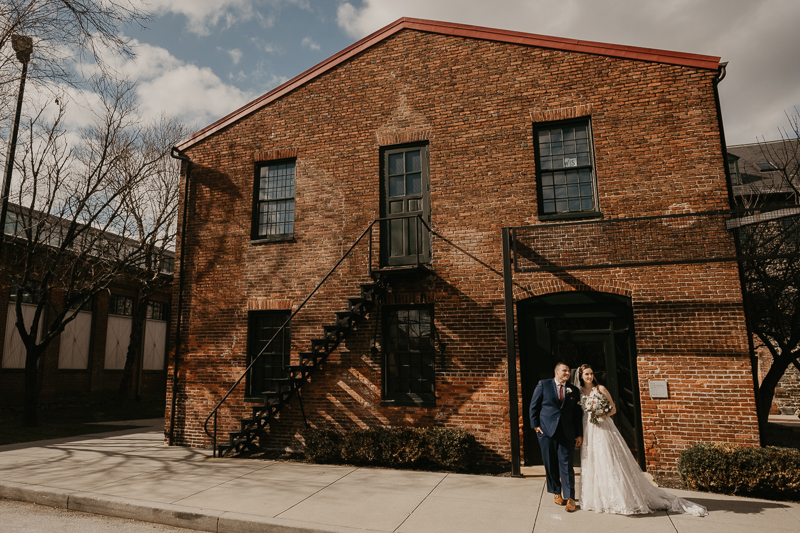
414	205
395	164
575	204
397	186
573	191
396	207
587	204
548	193
414	183
560	178
572	177
413	161
549	207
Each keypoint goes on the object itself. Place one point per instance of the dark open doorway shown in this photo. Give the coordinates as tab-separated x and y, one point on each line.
576	328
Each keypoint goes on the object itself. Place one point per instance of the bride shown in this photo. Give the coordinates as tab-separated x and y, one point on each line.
611	481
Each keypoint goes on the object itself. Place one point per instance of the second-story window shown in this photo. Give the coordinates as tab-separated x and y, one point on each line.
274	201
567	183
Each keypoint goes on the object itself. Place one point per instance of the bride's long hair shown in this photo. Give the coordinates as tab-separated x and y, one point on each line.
580	375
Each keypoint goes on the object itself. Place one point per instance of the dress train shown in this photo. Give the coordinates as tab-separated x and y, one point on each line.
611	480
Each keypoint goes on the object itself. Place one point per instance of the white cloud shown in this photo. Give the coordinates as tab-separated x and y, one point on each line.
204	15
759	38
236	55
169	85
309	43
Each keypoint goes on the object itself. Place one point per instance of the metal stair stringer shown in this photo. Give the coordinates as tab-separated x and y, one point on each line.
265	414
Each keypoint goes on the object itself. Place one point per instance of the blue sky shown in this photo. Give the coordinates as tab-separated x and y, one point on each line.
204	58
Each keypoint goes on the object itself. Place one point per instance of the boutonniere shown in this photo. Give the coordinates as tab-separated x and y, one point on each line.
569	389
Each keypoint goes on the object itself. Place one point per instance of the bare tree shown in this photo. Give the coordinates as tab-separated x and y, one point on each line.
152	203
66	32
74	230
769	238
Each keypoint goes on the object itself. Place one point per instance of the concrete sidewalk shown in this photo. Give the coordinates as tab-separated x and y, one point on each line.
132	474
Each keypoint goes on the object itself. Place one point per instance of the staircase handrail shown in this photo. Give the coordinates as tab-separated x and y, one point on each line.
288	320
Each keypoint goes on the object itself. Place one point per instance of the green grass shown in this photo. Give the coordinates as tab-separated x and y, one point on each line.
70	421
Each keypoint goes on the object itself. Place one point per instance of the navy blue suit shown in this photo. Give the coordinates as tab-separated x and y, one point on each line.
561	423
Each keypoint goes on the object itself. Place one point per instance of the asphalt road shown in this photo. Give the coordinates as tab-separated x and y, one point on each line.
20	517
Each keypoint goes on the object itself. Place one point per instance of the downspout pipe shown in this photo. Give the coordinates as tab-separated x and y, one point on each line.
721	72
176	154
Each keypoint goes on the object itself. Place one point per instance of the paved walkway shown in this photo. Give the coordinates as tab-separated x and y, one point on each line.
132	474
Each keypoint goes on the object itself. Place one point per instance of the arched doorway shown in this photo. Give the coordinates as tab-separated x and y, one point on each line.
576	328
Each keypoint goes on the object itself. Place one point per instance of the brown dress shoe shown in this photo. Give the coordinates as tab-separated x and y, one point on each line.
558	499
570	505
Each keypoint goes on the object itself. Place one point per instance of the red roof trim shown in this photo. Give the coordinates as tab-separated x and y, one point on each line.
459	30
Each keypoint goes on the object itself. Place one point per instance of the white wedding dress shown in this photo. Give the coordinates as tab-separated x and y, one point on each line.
611	480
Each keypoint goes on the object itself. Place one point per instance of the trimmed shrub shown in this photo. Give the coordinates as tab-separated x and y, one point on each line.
362	447
440	448
323	446
402	447
744	471
452	449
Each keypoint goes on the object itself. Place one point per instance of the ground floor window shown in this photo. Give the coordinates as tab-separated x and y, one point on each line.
273	363
409	373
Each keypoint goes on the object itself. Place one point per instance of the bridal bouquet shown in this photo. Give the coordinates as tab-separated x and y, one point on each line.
596	405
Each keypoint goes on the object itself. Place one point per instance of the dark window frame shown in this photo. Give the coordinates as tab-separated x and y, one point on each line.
156	311
253	348
114	307
591	167
408	397
255	236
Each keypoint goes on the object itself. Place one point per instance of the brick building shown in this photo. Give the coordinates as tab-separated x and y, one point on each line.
85	363
603	163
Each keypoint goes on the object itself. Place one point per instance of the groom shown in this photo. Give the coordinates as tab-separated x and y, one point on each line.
556	416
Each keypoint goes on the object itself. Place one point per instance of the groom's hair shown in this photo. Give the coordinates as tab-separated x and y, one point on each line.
560	364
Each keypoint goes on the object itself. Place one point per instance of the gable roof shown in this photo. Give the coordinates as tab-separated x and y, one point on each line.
457	30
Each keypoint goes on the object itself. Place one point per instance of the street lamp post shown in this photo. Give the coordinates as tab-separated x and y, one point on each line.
23	47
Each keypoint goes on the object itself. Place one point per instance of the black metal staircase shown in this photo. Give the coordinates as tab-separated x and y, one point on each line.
285	388
310	362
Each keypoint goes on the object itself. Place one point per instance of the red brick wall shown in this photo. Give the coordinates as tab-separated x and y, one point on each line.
657	150
66	386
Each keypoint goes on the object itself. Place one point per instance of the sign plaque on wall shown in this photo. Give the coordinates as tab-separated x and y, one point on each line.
658	390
